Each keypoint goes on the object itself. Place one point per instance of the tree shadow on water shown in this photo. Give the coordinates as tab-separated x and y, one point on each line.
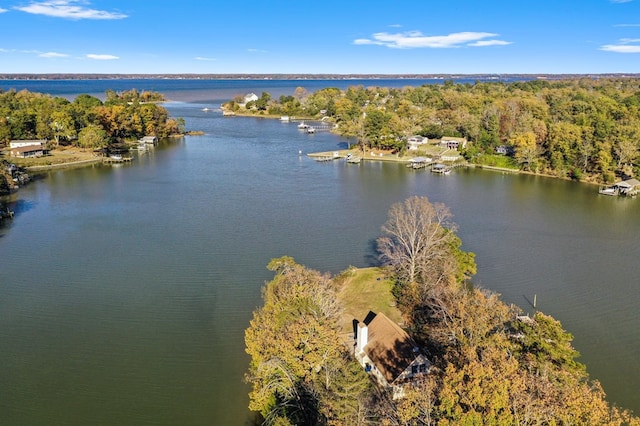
11	210
372	255
21	206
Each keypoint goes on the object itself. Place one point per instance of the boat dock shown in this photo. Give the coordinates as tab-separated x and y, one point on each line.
315	126
440	169
117	159
419	162
627	188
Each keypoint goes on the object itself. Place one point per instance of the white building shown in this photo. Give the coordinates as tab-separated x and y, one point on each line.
416	141
27	142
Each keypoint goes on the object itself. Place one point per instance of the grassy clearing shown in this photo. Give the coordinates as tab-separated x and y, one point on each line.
364	290
58	156
493	160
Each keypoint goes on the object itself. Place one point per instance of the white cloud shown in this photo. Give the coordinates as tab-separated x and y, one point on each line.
256	51
621	1
202	58
625	45
53	55
101	57
415	39
3	10
69	9
621	48
483	43
627	25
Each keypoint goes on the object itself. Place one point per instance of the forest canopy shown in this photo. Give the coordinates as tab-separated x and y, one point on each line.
583	128
86	121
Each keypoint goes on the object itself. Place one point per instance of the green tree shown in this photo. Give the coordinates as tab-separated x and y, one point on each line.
263	102
92	136
62	126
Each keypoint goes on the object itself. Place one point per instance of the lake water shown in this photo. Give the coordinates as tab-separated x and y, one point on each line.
125	291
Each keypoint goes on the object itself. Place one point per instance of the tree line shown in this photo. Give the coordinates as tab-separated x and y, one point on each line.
492	365
581	128
85	122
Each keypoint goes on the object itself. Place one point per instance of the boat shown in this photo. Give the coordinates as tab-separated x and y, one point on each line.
284	118
303	126
610	190
628	188
311	129
352	159
440	169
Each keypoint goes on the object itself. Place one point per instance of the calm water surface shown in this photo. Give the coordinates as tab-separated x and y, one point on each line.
125	291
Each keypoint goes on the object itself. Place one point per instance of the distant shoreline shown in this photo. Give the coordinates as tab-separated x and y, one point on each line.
444	76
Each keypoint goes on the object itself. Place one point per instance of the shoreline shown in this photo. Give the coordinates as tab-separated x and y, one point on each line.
342	154
78	163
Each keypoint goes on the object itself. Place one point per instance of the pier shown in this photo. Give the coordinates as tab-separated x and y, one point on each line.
314	126
116	160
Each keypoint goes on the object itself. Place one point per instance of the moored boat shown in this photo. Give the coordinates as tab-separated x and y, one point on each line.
440	169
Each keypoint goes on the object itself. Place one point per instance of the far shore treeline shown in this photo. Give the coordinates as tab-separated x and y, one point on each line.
584	129
85	122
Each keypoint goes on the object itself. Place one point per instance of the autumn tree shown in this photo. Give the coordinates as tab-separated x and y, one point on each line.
416	235
526	149
301	371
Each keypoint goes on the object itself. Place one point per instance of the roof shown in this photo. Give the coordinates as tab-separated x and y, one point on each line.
452	139
389	347
420	160
28	148
14	143
29	140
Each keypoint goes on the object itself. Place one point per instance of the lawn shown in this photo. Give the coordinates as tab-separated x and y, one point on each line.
364	290
59	156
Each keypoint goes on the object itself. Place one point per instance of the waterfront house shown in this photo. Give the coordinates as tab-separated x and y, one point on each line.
250	97
388	353
19	143
29	151
416	141
451	142
504	150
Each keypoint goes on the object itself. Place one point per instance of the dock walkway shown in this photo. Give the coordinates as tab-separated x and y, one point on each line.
115	160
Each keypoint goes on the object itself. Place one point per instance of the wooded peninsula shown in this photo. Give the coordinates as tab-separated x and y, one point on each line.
87	124
586	129
480	361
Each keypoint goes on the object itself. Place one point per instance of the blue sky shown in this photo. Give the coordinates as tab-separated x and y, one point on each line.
338	37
